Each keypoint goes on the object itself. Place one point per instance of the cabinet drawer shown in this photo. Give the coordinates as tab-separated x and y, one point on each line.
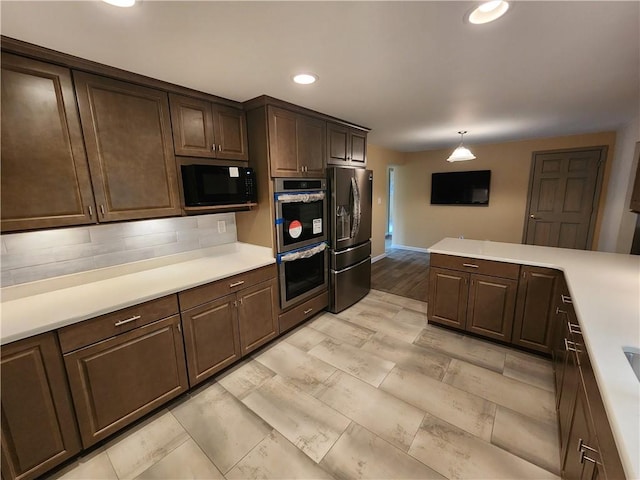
112	324
476	265
206	293
303	312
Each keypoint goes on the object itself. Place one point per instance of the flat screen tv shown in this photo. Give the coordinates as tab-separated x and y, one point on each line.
461	188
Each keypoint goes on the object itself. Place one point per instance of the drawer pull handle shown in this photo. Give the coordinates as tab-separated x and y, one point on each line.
559	310
236	284
574	328
128	320
308	310
470	265
571	346
582	448
566	299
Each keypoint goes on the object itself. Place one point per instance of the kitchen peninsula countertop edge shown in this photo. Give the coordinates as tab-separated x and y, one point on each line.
605	292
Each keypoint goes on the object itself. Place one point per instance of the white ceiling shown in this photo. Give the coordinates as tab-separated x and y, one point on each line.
414	72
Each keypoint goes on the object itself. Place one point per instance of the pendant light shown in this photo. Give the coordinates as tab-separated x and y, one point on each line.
461	153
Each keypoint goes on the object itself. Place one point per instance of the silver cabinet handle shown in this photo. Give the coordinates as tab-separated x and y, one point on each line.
574	328
566	299
583	448
309	310
571	346
559	310
219	148
471	265
213	147
90	212
102	209
236	284
128	320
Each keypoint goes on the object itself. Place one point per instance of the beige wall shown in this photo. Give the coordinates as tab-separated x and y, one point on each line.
419	224
616	234
378	160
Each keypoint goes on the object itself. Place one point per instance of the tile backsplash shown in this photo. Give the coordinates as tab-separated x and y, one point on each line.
30	256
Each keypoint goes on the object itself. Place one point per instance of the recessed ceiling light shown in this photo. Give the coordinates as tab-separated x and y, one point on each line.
305	78
488	12
121	3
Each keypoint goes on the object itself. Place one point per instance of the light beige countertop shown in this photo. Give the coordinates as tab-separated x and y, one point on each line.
605	292
39	307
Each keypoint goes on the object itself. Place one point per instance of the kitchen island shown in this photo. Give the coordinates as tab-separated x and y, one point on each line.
605	292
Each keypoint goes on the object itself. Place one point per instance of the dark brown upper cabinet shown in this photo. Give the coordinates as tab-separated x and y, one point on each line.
127	133
208	130
346	145
45	175
296	144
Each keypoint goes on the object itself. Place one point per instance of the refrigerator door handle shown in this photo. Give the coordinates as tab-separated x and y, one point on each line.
355	228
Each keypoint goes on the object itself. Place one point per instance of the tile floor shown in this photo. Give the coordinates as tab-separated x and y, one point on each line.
373	392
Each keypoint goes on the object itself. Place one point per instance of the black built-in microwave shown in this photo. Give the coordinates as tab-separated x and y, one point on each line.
207	185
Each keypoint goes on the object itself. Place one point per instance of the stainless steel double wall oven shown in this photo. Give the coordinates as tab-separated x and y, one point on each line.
301	232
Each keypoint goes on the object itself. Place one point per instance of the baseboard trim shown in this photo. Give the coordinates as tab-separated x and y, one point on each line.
407	247
378	257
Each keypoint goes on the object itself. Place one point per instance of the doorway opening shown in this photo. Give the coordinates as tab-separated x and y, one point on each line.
388	241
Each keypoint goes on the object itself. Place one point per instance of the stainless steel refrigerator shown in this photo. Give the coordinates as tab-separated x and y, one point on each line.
350	201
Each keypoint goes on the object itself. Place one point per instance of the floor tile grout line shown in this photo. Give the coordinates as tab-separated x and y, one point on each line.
244	406
454	427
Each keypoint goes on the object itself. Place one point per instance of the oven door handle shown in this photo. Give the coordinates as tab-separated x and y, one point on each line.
299	254
306	197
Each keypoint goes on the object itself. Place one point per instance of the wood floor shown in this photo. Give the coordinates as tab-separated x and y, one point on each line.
402	272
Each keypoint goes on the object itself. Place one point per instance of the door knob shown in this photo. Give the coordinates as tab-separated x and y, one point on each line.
533	216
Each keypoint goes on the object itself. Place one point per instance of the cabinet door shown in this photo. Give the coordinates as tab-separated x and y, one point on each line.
311	134
560	318
257	315
211	338
570	384
358	154
117	381
192	126
38	423
283	148
582	448
491	305
127	132
337	144
611	465
45	175
230	133
535	307
448	294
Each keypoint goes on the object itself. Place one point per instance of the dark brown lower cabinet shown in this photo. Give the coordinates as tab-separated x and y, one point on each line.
588	449
212	339
491	306
118	380
533	327
480	304
581	455
302	312
227	319
448	294
39	429
257	315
